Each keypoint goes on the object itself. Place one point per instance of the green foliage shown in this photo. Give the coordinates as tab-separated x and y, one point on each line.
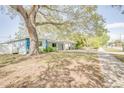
104	38
49	49
81	42
93	32
40	49
98	41
6	59
81	24
80	39
94	42
120	57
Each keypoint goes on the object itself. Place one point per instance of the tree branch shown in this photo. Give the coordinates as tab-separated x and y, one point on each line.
52	23
52	9
20	9
33	13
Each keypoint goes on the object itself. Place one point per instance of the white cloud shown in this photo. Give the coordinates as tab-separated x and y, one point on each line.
115	25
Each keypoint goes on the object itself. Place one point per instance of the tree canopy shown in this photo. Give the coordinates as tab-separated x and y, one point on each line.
65	22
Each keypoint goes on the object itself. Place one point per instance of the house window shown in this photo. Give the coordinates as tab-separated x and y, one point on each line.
53	44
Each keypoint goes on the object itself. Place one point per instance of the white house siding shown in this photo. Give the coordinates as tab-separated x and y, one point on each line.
14	47
5	49
22	47
66	46
59	46
62	45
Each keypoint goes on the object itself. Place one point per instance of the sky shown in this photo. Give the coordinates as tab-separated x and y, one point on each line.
113	17
114	21
8	26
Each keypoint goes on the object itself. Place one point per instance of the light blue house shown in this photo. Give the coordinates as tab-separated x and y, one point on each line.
22	46
15	46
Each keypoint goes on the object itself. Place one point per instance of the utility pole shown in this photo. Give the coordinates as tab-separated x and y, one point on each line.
122	43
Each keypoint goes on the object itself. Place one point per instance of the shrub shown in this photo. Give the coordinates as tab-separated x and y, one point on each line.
81	42
40	49
94	42
49	49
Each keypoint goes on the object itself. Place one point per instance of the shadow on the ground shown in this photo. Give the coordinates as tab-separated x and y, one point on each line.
66	71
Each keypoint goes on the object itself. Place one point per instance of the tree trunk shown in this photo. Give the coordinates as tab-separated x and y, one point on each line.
29	19
34	44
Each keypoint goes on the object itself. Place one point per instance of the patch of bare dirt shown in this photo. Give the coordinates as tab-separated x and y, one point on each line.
52	70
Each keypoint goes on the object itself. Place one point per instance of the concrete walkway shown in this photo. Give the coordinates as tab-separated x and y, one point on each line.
112	69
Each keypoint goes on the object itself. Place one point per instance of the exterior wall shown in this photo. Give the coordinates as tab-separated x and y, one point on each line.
15	47
23	46
68	46
44	43
60	46
5	49
50	44
20	47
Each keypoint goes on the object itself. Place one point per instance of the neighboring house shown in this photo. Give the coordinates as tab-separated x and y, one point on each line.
22	46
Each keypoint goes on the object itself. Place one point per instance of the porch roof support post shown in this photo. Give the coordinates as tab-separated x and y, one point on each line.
46	44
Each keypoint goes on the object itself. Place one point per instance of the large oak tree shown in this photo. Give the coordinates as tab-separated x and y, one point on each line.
29	18
66	19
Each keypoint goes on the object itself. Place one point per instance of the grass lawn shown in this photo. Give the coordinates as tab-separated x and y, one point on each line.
112	50
9	59
120	57
55	69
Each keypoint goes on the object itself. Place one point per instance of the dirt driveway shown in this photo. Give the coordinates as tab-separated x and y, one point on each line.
112	69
